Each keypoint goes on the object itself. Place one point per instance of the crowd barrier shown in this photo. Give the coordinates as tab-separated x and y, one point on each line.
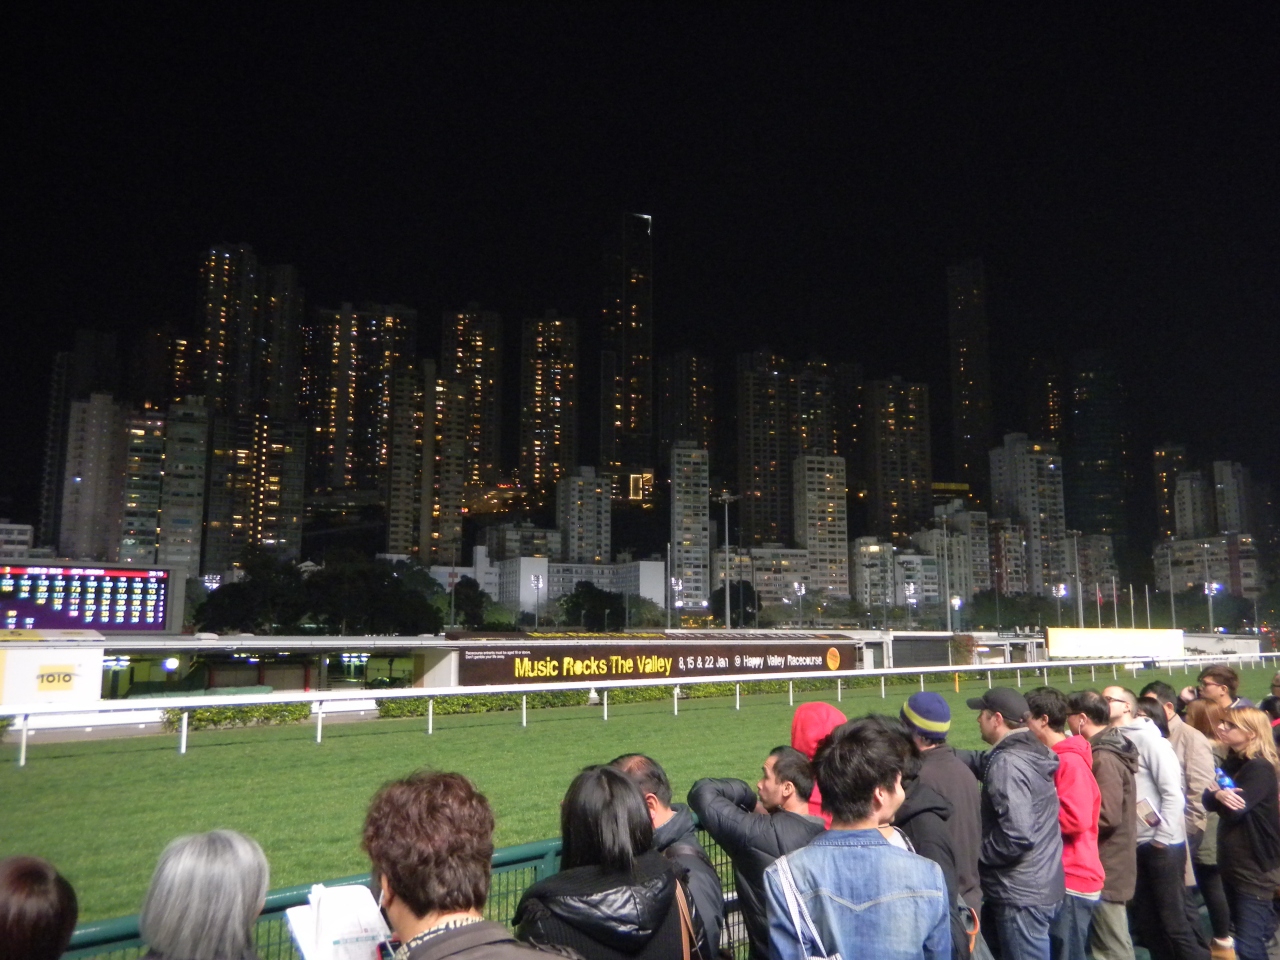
23	712
515	869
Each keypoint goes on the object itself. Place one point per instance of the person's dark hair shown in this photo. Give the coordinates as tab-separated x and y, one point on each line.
1092	704
38	910
1270	705
854	759
1051	704
792	766
1221	673
1161	691
1152	708
431	836
604	821
908	748
646	773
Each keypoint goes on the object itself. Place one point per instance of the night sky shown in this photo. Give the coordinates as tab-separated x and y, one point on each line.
809	174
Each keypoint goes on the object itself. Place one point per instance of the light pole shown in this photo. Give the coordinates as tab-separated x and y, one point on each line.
1210	589
1173	609
946	570
726	498
536	579
800	592
955	605
909	588
1075	552
1059	591
677	586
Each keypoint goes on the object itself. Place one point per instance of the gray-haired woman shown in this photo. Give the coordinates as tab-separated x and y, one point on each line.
204	898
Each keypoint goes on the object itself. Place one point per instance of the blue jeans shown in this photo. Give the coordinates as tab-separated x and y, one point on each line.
1069	932
1015	932
1255	921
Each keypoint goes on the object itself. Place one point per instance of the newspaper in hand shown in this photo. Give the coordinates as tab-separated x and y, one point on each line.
338	923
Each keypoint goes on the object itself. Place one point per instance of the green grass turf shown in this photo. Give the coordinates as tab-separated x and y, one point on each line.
103	810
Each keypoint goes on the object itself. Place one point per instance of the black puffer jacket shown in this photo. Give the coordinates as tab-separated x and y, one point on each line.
753	841
604	915
924	817
677	840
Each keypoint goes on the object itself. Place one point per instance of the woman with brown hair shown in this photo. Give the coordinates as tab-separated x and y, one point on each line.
1249	830
1204	716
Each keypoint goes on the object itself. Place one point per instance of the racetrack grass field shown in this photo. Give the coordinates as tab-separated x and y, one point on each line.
103	810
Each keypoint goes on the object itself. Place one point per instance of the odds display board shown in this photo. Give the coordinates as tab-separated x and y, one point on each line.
71	598
1074	643
509	662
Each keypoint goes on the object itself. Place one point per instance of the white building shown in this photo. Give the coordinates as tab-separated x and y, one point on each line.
1026	484
582	514
16	540
1230	560
143	475
917	581
973	524
522	539
873	572
186	458
955	559
1009	557
1193	505
691	520
94	480
1097	559
820	515
1231	496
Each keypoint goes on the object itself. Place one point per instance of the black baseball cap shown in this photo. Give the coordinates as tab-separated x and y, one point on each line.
1006	701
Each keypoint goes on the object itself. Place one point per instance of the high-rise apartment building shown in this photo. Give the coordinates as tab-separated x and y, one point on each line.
548	403
1232	496
1046	399
691	520
182	491
975	525
232	347
93	485
821	519
899	466
626	360
1095	464
1193	505
1230	560
283	305
1009	558
409	474
874	573
471	355
1026	483
971	430
450	412
686	408
1168	460
143	475
583	515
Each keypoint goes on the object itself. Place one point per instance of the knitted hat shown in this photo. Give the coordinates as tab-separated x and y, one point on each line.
928	715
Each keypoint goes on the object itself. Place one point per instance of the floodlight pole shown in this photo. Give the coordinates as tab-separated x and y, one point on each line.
726	498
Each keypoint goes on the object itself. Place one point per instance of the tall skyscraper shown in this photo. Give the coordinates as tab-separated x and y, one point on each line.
626	360
1194	513
411	460
232	350
691	520
971	430
182	491
548	403
1046	399
822	522
452	403
1232	497
93	486
471	355
283	305
686	409
1026	482
143	475
1095	464
584	502
351	358
1169	460
899	464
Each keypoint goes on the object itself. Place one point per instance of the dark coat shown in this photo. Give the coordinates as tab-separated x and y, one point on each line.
604	915
924	817
753	840
475	941
677	839
1249	839
1115	762
949	776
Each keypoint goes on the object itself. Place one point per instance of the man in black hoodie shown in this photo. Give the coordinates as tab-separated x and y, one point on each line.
755	833
675	836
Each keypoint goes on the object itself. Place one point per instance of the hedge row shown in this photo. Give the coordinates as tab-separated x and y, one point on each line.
5	724
217	718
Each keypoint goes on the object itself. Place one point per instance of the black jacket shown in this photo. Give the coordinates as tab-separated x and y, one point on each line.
476	941
925	818
753	841
949	776
677	839
1249	839
604	915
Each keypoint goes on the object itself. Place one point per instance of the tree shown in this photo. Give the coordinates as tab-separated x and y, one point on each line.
469	602
591	608
268	600
353	595
743	603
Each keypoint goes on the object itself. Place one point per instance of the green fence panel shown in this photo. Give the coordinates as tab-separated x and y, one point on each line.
515	869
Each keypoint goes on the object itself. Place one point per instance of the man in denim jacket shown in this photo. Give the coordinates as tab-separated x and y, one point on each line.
867	898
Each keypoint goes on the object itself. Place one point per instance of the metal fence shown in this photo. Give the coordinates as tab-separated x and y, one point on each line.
515	869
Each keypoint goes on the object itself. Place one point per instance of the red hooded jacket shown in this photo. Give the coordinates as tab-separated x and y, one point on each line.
811	723
1079	801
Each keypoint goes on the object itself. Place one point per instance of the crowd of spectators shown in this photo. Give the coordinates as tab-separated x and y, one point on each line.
1096	819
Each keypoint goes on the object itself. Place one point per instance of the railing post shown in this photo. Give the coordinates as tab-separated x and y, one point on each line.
319	720
922	683
1019	672
22	746
1092	675
839	689
182	738
1113	671
791	692
988	679
431	715
605	700
882	686
524	709
675	700
1071	677
737	696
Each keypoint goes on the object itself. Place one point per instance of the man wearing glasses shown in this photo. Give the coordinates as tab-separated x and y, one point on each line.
1219	683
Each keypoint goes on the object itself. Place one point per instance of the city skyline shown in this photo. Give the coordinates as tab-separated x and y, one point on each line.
1173	274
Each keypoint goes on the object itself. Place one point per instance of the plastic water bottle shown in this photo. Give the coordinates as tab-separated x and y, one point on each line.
1224	781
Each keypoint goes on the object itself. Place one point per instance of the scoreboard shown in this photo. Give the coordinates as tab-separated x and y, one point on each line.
79	598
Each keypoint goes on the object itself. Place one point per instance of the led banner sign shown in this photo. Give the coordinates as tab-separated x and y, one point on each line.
78	598
506	662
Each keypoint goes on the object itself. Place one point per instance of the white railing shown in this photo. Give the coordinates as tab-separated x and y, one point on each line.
24	712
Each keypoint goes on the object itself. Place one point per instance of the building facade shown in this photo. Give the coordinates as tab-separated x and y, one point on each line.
691	519
93	485
143	475
1168	460
1230	560
821	520
182	491
548	403
900	472
583	514
971	430
1027	488
626	358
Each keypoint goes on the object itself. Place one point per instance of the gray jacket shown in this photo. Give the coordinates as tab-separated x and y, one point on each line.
1020	860
1159	782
